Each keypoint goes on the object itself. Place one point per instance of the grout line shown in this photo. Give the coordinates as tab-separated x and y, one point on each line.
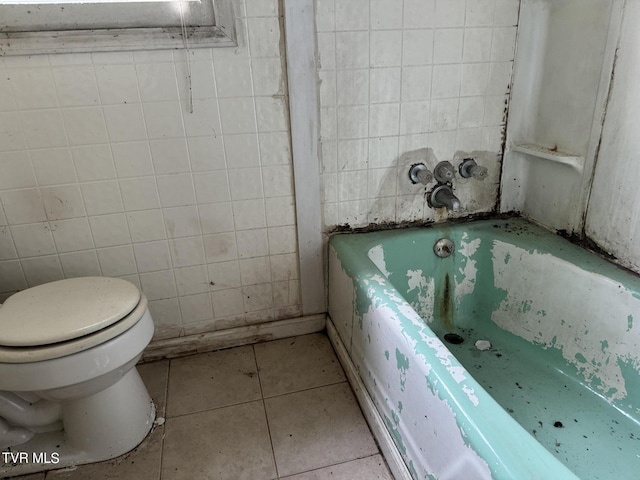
166	409
264	409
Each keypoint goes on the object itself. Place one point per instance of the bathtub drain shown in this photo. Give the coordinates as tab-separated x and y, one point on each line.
453	338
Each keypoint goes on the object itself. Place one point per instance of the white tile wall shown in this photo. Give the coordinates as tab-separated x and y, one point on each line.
398	76
104	171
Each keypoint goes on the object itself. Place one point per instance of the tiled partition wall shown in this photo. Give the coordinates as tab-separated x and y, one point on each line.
105	171
404	81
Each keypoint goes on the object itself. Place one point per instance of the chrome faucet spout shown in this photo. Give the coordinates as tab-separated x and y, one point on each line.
442	196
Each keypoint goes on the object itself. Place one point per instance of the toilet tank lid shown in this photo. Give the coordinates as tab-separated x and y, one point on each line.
65	310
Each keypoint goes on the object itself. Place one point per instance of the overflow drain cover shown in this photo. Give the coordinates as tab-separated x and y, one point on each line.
443	248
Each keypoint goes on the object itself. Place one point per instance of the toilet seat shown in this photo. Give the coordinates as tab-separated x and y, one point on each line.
85	312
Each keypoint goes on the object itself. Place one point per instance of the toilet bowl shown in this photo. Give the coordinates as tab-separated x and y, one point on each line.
69	389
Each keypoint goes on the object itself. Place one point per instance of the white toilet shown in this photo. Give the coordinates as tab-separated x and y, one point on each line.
69	390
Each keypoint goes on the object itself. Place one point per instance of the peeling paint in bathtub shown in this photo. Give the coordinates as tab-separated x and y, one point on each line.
403	365
425	293
471	394
376	254
592	343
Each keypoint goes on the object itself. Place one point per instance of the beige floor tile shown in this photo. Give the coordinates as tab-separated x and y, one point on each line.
294	364
369	468
212	380
317	428
141	463
155	376
230	443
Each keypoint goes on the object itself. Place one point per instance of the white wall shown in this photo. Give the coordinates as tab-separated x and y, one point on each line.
406	81
613	218
104	171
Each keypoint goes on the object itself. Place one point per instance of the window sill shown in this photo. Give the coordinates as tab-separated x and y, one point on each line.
113	39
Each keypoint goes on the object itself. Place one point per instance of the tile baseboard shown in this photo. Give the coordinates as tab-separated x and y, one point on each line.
233	337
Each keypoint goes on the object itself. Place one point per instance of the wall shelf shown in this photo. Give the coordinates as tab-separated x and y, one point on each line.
574	161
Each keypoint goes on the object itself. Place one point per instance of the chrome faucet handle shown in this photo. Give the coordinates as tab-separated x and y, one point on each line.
444	172
469	168
419	173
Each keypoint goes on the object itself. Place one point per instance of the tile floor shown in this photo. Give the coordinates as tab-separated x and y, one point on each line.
275	410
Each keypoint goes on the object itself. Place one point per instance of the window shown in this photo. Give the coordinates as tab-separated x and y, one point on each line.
30	28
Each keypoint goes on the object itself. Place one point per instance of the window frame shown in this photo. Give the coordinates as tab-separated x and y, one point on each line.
221	34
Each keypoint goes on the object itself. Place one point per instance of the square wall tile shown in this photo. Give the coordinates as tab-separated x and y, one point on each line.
252	243
63	201
220	247
140	193
228	302
233	77
33	88
170	155
242	150
157	81
102	197
125	122
192	280
110	230
43	128
72	235
249	214
419	13
146	225
12	277
117	261
213	186
158	285
80	264
76	86
163	119
85	125
264	36
44	269
205	118
33	240
11	133
7	248
93	162
152	256
132	159
187	251
417	47
118	84
206	153
386	48
352	49
176	190
17	171
224	275
23	206
216	217
352	15
196	308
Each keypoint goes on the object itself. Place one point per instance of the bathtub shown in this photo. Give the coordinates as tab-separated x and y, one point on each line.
545	383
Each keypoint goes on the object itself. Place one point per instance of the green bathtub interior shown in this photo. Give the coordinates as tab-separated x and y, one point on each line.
596	437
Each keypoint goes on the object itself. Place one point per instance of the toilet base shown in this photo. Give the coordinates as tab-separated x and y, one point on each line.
99	427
